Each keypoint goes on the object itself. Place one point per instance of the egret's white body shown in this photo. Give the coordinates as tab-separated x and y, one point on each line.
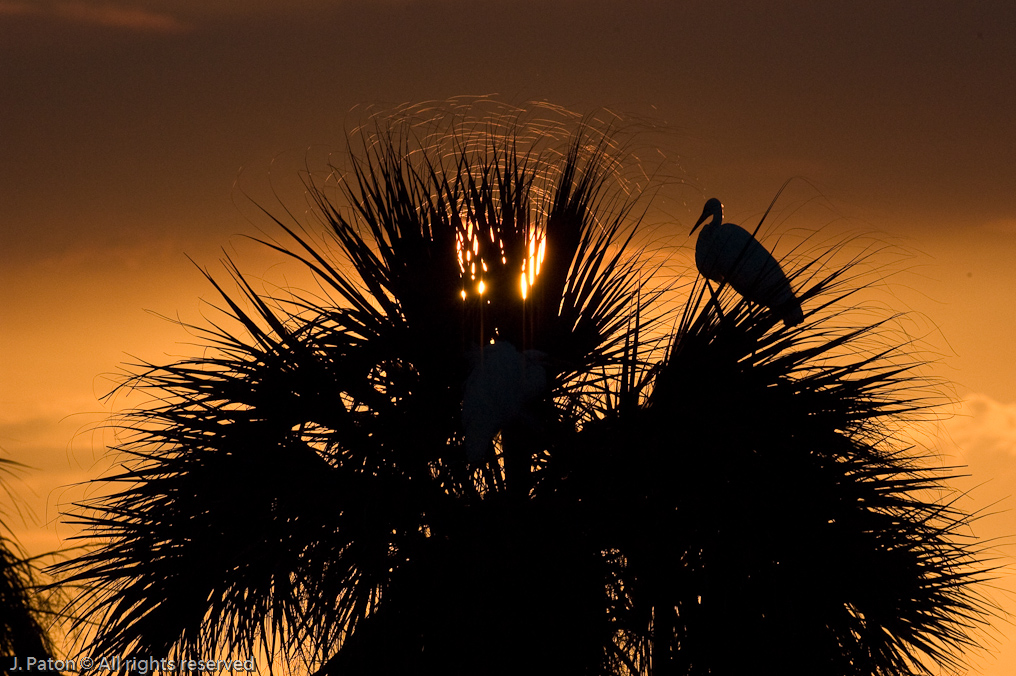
500	383
726	252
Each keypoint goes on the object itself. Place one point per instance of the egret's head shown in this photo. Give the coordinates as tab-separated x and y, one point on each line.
713	208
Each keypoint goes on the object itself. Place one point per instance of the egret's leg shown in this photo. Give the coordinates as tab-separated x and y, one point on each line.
491	475
519	444
714	299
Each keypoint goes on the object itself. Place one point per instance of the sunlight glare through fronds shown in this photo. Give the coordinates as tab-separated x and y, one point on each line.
467	248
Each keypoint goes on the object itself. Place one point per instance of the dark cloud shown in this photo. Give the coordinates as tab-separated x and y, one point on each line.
129	18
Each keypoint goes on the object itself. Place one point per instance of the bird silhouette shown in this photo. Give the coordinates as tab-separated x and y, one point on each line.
501	381
727	253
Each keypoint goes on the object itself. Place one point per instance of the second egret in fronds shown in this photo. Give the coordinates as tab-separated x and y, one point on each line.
502	380
726	252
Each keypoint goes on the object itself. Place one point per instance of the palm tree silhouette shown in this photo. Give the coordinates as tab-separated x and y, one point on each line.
728	501
22	608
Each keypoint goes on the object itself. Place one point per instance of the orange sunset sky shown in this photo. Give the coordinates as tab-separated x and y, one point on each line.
134	133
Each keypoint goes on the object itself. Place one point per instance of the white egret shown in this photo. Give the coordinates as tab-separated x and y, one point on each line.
726	252
500	383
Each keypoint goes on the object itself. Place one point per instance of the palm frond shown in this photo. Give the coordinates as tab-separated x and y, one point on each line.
760	498
24	608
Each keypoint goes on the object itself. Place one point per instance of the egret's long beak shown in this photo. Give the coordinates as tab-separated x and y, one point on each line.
701	218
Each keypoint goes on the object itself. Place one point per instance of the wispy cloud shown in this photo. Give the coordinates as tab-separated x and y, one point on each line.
105	14
984	426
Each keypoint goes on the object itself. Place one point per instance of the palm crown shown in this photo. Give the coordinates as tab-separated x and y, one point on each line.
726	502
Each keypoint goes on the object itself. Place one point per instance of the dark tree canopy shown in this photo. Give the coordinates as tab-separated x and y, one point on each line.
727	501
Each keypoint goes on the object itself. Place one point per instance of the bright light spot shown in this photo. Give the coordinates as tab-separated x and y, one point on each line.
467	244
533	261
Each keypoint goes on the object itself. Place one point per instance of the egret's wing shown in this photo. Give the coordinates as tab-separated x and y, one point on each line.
731	254
500	382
